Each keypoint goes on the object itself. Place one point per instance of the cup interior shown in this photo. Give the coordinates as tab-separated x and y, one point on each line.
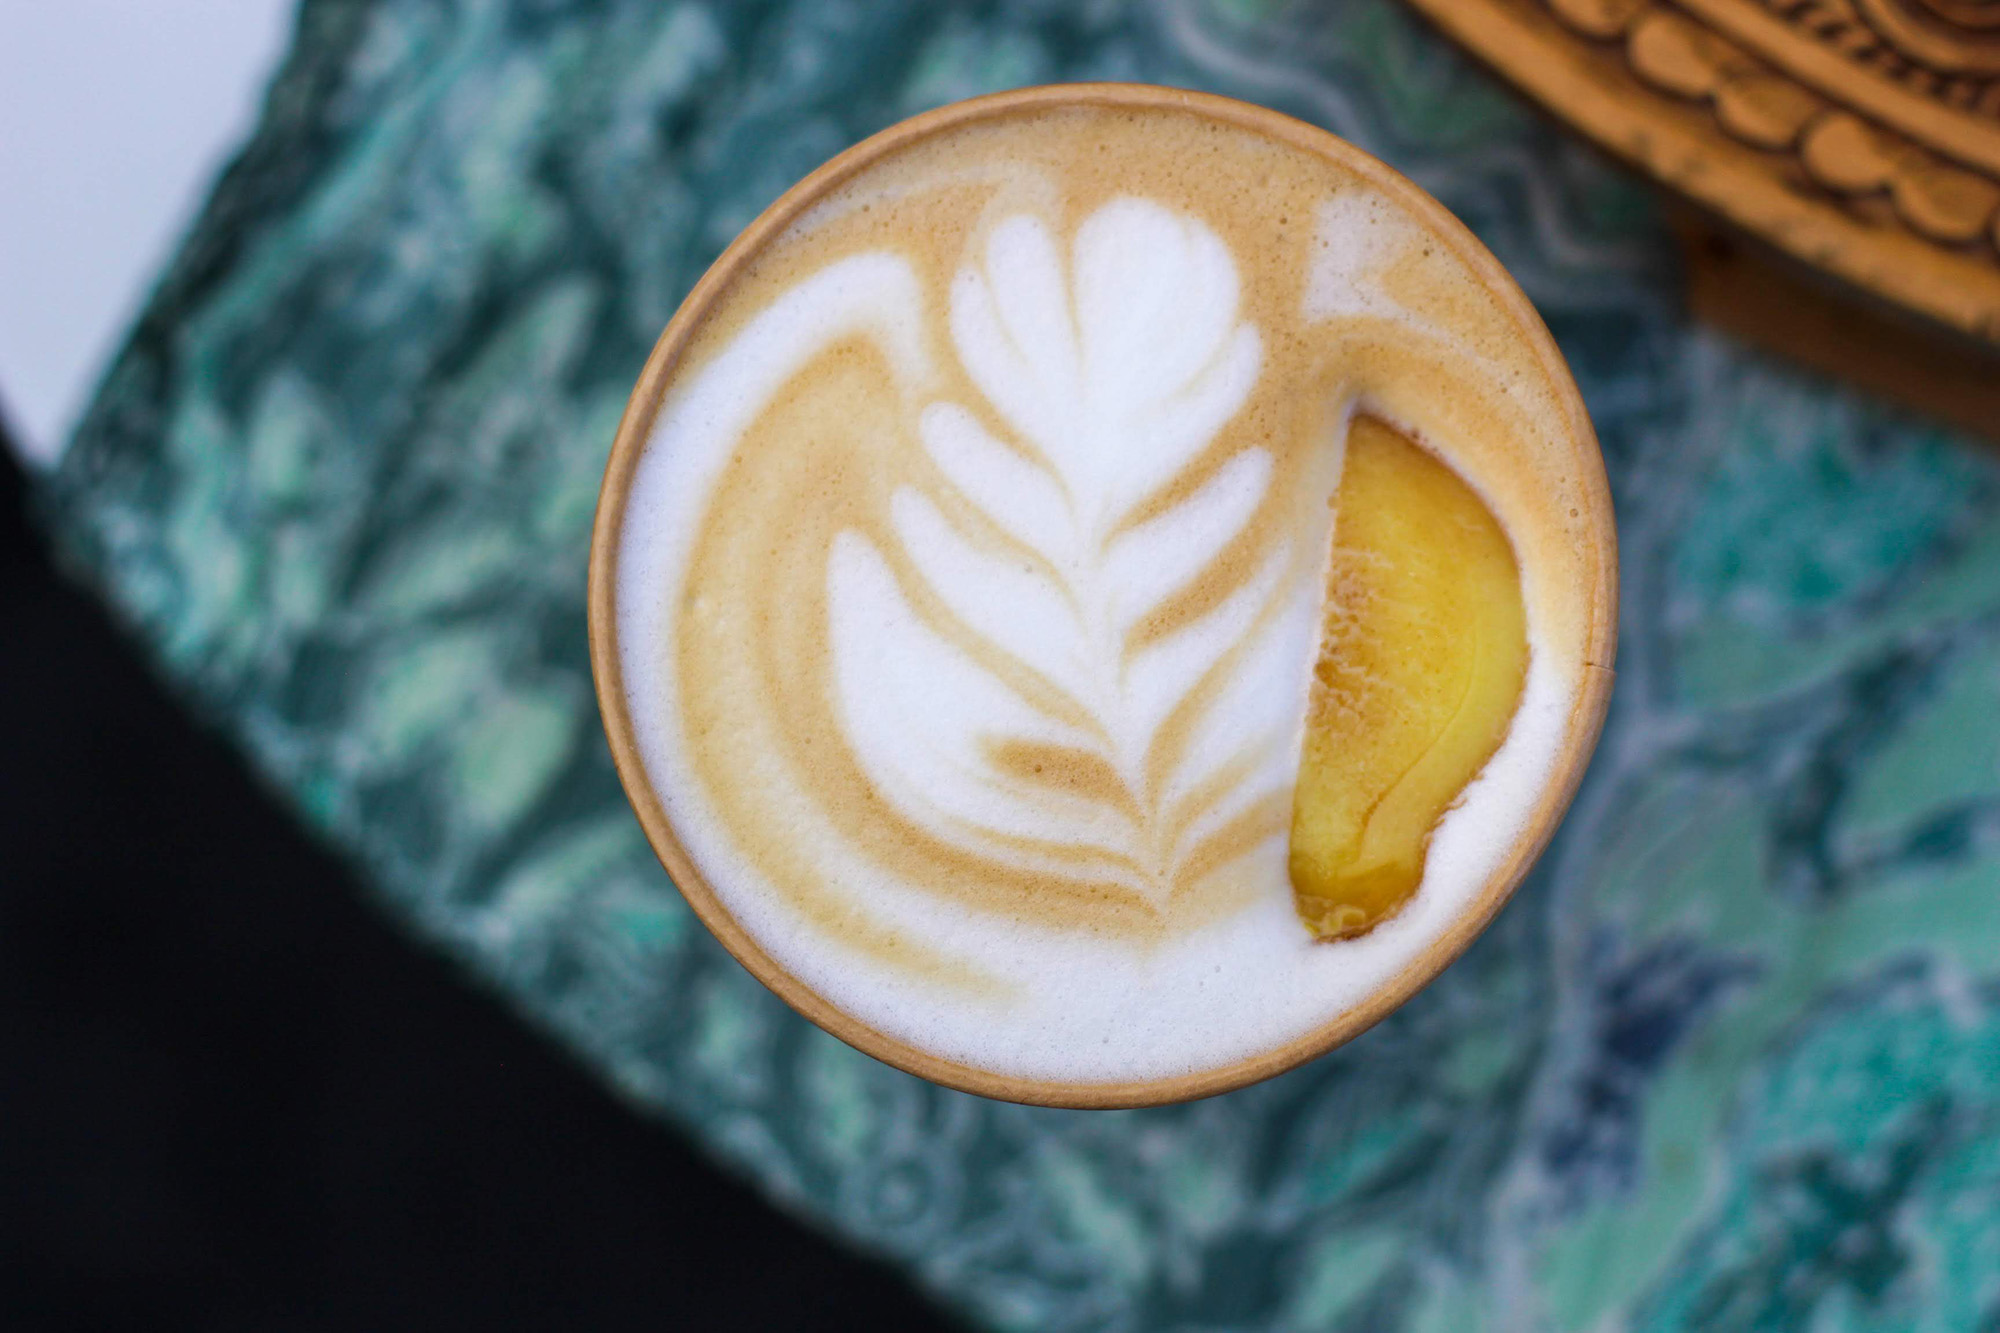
635	429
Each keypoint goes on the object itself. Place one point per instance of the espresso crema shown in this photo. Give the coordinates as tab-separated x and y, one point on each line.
970	580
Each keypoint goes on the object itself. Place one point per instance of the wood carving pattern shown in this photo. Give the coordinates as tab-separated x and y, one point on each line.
1863	136
1677	53
1948	48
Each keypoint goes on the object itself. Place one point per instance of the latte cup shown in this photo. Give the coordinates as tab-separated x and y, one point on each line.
998	556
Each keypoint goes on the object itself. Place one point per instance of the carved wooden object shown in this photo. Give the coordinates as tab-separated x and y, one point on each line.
1860	137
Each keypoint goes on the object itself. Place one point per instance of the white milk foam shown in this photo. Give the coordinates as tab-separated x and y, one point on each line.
1118	402
1110	359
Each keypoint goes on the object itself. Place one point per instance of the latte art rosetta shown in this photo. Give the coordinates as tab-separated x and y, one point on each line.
970	583
1047	714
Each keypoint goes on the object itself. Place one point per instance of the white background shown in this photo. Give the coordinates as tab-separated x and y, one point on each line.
115	116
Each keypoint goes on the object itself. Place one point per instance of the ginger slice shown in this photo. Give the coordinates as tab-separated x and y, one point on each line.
1419	674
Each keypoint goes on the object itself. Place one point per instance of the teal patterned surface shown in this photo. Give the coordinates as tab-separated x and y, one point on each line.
1731	1061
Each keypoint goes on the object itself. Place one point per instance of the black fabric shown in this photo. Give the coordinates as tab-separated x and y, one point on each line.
232	1097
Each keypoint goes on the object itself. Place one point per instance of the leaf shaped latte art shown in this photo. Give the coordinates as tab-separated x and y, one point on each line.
1012	690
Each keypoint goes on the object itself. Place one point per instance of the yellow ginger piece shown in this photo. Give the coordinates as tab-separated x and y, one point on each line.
1419	673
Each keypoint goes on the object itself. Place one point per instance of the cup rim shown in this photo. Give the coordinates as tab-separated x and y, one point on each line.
1585	722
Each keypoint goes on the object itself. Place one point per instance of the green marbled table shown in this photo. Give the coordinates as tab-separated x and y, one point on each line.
1730	1061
